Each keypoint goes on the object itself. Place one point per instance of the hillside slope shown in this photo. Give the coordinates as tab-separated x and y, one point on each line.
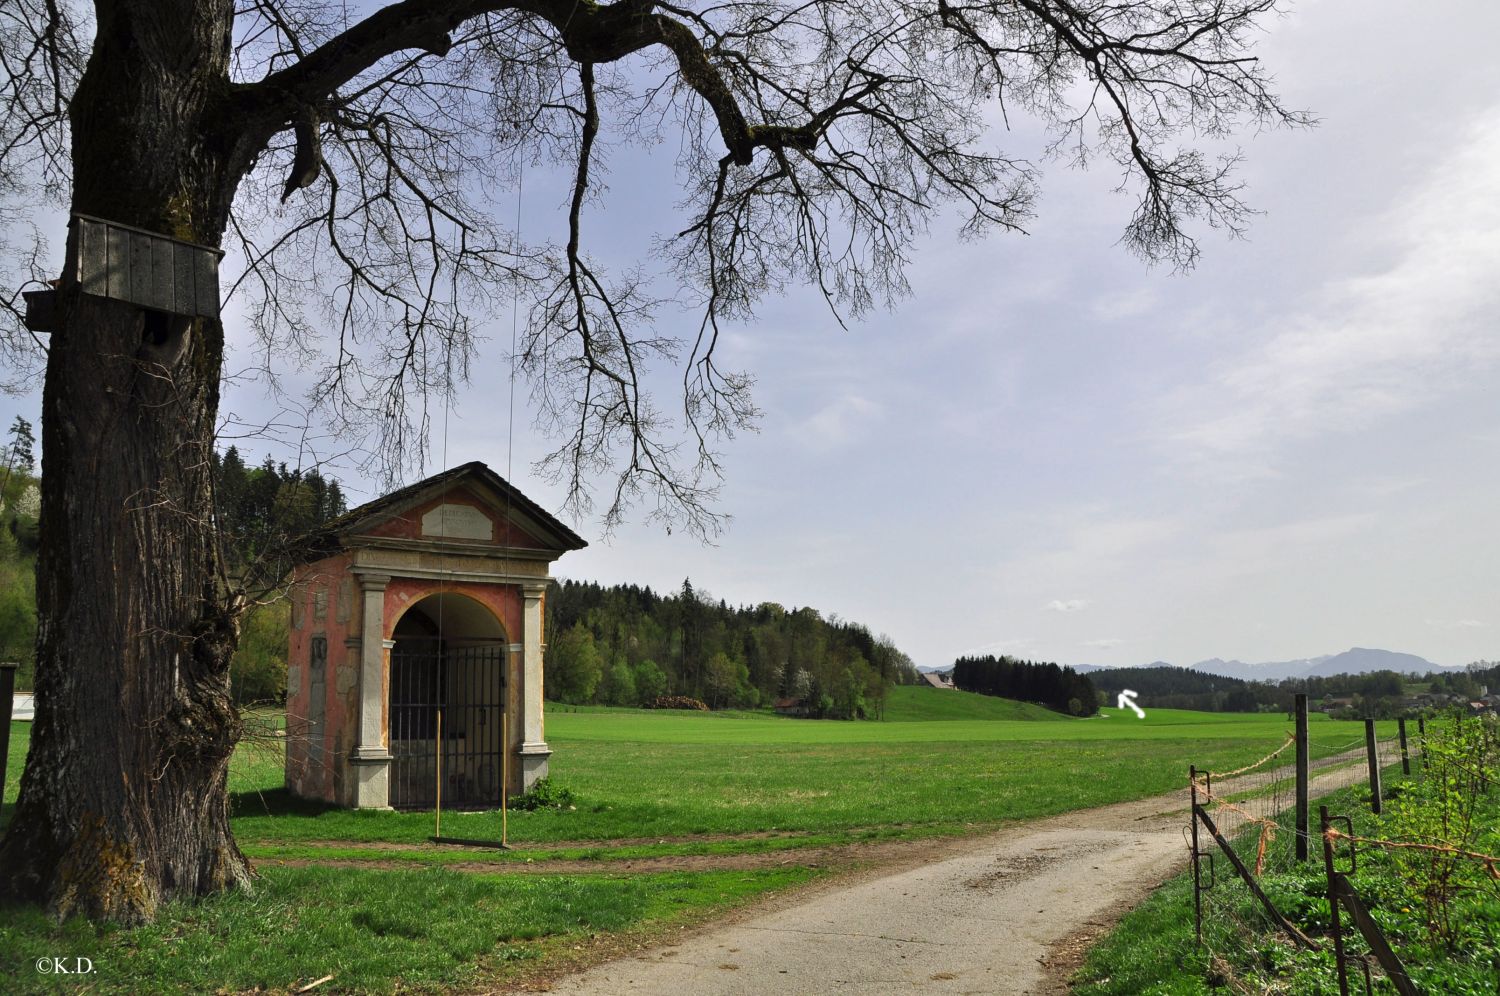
923	703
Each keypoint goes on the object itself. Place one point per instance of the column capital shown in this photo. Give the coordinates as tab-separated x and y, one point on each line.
534	589
372	582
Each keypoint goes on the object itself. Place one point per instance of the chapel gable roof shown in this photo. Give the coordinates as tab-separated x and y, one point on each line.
475	478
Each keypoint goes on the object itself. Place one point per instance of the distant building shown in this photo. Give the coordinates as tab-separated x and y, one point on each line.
939	679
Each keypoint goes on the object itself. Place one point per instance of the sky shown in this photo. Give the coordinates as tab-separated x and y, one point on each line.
1053	451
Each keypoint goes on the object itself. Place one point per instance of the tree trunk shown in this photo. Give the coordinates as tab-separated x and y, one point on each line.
124	798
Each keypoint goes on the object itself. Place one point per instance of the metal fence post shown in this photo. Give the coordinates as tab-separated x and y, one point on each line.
7	699
1374	762
1302	764
1405	758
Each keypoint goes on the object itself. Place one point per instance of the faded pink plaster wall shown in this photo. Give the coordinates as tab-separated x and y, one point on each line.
325	602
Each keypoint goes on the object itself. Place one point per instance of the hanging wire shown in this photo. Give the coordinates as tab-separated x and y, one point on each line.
510	437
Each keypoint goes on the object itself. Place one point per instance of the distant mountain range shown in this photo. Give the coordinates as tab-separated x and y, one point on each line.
1356	660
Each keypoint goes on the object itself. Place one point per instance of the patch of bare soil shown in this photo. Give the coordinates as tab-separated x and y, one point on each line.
568	845
880	853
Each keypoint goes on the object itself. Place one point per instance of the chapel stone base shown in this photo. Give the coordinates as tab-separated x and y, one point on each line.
533	757
372	781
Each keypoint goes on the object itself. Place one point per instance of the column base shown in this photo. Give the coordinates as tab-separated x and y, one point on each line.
533	756
372	777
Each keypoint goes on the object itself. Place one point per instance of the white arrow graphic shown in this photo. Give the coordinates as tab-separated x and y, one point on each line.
1127	699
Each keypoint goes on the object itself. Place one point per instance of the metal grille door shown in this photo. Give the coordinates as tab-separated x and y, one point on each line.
467	682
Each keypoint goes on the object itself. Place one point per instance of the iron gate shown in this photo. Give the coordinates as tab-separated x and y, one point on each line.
467	682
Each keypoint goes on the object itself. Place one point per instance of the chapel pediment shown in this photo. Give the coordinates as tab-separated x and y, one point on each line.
469	506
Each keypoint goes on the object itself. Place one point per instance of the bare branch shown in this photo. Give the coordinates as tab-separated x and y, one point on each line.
817	141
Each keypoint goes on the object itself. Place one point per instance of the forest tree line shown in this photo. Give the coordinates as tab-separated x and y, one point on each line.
20	506
623	645
1376	694
1061	689
261	509
628	645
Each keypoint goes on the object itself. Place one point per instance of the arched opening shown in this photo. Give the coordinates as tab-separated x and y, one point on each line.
448	669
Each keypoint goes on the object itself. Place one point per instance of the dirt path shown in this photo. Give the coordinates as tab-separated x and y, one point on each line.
1011	914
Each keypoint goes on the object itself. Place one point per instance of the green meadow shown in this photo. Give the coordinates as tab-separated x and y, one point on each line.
645	784
941	763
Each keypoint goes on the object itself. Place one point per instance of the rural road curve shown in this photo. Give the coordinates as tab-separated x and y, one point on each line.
987	921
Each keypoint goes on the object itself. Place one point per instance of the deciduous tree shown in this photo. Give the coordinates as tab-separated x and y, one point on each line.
352	156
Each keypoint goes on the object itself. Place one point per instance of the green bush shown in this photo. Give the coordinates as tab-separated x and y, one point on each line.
1445	807
544	794
257	672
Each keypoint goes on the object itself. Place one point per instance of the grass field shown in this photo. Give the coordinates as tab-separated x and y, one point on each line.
666	774
658	785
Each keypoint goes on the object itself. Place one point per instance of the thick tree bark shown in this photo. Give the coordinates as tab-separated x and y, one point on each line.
124	799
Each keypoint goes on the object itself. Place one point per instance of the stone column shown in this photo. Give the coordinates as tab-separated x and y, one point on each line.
534	750
371	758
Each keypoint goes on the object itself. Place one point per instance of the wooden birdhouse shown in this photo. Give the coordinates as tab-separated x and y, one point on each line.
125	263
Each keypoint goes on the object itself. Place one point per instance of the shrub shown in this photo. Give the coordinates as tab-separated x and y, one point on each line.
543	794
650	681
1445	807
257	671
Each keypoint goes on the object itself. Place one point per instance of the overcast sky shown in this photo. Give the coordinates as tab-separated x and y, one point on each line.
1052	451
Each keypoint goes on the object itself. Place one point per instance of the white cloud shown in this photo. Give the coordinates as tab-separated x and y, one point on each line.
1127	304
1269	549
1456	623
838	422
1065	605
999	646
1377	343
1103	644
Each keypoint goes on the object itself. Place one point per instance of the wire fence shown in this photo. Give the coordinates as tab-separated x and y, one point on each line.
1253	893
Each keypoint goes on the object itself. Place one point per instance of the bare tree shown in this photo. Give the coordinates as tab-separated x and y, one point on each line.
361	167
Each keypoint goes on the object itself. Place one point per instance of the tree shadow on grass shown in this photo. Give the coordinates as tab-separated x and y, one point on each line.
275	802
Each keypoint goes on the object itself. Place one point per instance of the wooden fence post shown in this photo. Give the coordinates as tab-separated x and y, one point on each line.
1197	877
1333	906
1405	758
1374	762
1302	764
1422	738
1341	891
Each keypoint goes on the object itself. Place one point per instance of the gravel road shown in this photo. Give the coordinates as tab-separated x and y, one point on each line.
1010	913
